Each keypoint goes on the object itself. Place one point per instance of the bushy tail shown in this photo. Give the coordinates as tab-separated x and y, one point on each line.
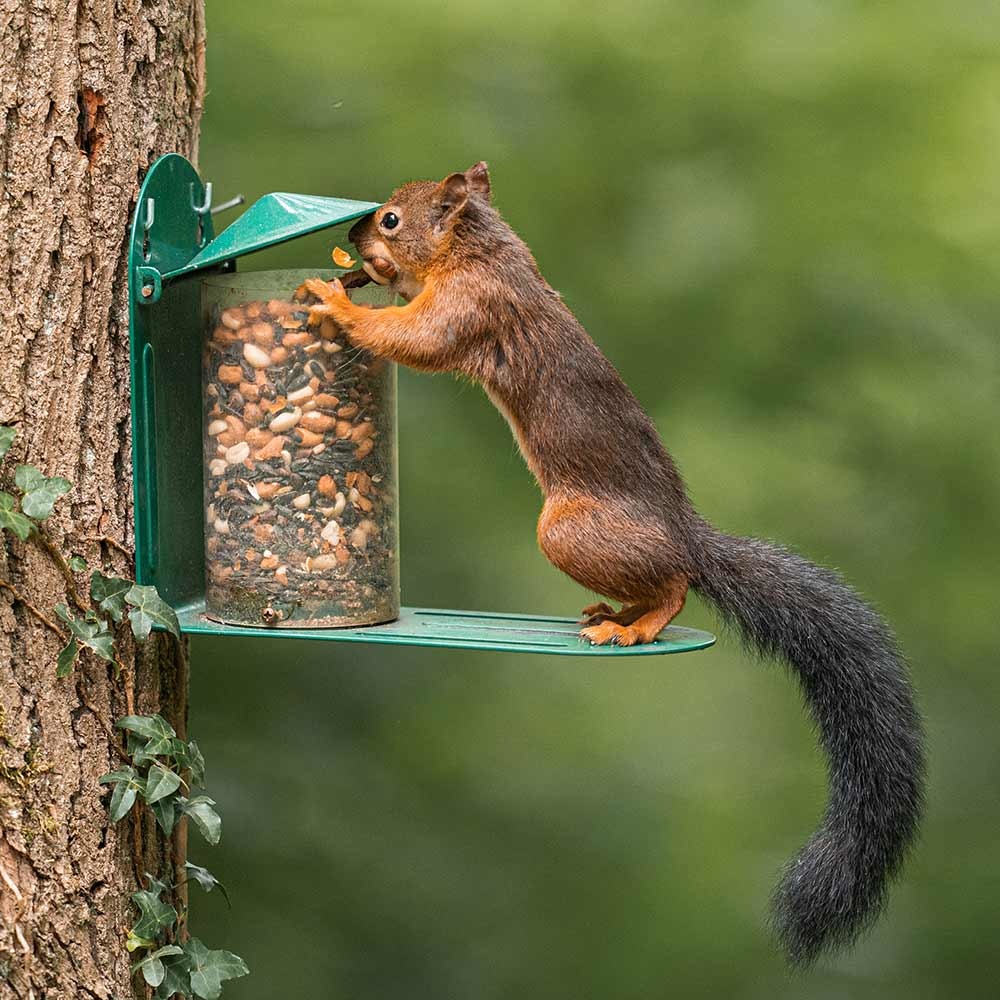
857	688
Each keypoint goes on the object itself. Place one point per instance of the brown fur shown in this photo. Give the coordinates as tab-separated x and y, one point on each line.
616	516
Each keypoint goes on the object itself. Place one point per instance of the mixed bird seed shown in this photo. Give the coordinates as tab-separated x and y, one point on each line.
300	491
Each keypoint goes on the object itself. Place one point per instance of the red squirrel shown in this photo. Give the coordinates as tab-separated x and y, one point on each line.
618	520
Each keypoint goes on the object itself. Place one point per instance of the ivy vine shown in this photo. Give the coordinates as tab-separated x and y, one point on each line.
110	596
155	774
160	770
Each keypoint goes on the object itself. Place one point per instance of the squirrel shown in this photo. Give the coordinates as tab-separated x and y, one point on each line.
618	520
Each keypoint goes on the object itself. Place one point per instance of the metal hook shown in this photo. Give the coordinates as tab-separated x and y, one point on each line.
232	203
147	224
207	206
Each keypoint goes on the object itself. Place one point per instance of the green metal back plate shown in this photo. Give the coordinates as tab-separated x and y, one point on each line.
165	330
171	247
463	630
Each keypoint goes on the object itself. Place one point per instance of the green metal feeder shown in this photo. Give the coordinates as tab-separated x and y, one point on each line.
173	247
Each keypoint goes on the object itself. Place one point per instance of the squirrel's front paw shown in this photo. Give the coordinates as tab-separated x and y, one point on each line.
326	291
333	300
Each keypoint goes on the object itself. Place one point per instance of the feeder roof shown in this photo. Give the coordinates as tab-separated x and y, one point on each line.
274	219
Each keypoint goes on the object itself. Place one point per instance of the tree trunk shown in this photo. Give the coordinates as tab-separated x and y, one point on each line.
90	93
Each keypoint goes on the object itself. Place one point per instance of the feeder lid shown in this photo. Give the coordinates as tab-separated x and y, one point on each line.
274	219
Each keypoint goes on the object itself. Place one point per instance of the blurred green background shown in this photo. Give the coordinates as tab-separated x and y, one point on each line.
779	221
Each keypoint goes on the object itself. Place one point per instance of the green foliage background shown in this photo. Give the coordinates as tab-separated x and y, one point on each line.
779	221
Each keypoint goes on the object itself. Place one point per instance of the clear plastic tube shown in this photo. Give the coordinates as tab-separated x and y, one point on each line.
301	509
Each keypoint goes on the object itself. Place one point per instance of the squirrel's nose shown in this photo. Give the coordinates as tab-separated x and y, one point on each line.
357	229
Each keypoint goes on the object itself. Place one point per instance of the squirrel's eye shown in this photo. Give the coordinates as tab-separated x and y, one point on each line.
390	220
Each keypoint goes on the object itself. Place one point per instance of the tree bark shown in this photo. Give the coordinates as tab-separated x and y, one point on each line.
90	93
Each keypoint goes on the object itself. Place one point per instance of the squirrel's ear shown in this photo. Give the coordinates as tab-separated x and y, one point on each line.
478	177
452	194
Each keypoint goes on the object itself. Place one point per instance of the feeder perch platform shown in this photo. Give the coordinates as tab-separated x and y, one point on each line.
463	630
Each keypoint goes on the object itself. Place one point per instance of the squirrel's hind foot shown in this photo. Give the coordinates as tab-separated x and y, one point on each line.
639	623
609	633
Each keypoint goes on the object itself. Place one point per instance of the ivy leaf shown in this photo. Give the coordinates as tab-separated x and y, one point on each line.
176	980
91	632
7	435
40	492
158	746
161	783
154	914
77	564
145	725
150	609
12	519
149	736
28	477
153	970
122	799
66	658
155	885
196	762
210	969
134	943
122	774
143	751
188	756
136	746
127	784
179	751
109	593
206	879
165	812
102	643
204	817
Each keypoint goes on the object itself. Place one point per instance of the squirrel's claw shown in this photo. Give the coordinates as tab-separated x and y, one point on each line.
610	633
